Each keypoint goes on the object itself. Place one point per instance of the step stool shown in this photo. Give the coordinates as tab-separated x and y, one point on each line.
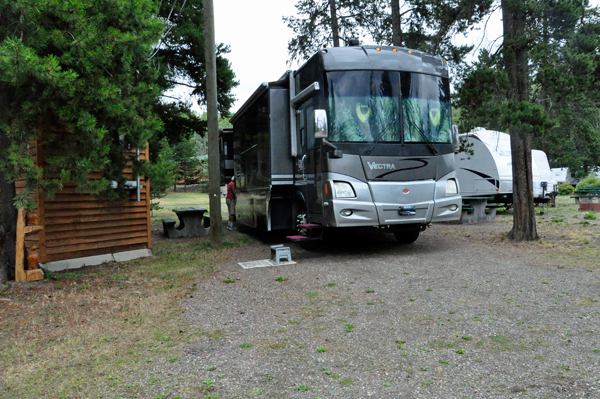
279	252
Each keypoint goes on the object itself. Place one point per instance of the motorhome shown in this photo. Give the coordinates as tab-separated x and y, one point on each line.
359	137
484	169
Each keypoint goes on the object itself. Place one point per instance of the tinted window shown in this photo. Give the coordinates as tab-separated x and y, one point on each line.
426	108
364	106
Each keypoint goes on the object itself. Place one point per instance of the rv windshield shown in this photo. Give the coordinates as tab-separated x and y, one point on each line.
365	107
426	108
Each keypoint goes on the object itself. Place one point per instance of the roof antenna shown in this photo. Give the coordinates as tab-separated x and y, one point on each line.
351	42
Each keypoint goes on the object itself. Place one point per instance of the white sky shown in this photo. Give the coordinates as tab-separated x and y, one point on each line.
258	38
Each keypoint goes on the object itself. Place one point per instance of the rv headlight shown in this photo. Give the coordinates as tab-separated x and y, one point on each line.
343	190
451	187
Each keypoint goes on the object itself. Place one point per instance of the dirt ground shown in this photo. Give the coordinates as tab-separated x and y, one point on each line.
460	313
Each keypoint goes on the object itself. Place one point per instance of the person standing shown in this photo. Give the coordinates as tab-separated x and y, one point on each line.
231	199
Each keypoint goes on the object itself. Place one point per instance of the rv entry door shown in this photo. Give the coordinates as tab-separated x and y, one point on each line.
309	165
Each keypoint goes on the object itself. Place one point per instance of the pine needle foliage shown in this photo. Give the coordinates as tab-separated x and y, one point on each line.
80	67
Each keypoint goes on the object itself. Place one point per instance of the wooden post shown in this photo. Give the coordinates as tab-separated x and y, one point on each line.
214	163
20	254
20	273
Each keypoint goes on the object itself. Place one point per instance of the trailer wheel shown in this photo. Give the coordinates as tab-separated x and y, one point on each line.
406	237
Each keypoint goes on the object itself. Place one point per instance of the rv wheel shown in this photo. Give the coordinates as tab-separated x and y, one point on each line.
406	237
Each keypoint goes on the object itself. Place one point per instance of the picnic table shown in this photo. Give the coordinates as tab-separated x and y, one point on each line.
192	223
587	198
477	210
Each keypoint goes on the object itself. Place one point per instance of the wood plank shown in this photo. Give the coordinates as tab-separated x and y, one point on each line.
34	275
41	203
92	218
81	228
148	213
32	229
125	212
20	275
71	188
76	197
78	234
93	252
59	205
110	245
94	239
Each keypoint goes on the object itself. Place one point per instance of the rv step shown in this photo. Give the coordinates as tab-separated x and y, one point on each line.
309	226
300	238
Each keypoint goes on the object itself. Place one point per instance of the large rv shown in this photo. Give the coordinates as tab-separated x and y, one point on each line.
357	138
487	172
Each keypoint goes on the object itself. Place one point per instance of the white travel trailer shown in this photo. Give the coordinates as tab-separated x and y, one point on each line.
545	187
487	173
561	175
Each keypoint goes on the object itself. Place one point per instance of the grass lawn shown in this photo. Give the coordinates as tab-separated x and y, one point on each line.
83	333
182	199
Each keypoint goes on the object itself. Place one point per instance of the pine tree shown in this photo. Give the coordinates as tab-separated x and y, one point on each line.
428	25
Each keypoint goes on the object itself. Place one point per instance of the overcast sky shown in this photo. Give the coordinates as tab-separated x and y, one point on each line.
258	39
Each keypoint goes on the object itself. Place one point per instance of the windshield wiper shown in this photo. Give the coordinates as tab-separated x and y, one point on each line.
424	137
378	137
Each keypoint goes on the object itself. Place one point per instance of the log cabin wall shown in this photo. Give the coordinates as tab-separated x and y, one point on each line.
79	225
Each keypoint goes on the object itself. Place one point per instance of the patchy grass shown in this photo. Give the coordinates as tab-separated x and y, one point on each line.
181	199
84	334
564	239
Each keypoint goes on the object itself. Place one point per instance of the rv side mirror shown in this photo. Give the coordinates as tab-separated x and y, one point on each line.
455	138
320	124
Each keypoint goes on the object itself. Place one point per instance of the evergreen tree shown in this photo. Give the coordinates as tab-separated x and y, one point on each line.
565	38
187	159
428	25
162	173
82	67
180	55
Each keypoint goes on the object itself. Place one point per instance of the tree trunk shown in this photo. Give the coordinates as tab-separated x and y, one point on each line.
396	24
335	29
516	57
8	222
214	160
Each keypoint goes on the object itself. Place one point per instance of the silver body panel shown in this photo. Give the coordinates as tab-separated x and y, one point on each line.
377	203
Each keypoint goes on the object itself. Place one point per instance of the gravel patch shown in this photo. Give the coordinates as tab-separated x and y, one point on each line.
448	316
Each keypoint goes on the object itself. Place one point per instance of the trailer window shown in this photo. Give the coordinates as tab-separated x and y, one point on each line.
364	106
426	108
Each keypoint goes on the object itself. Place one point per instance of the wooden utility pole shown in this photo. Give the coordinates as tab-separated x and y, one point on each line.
334	24
214	165
396	24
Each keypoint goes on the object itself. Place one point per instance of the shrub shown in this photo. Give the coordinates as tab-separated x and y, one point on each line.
565	189
592	181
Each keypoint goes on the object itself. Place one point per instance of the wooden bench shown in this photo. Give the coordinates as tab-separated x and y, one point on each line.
585	198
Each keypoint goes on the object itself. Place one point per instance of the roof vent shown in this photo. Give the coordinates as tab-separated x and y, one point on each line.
353	42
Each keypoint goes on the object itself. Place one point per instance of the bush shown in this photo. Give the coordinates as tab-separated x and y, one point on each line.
204	186
592	181
565	189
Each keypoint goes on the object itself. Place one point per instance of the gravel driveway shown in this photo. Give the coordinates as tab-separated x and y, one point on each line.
364	317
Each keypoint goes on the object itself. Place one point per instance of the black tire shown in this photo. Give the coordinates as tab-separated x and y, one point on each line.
406	237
